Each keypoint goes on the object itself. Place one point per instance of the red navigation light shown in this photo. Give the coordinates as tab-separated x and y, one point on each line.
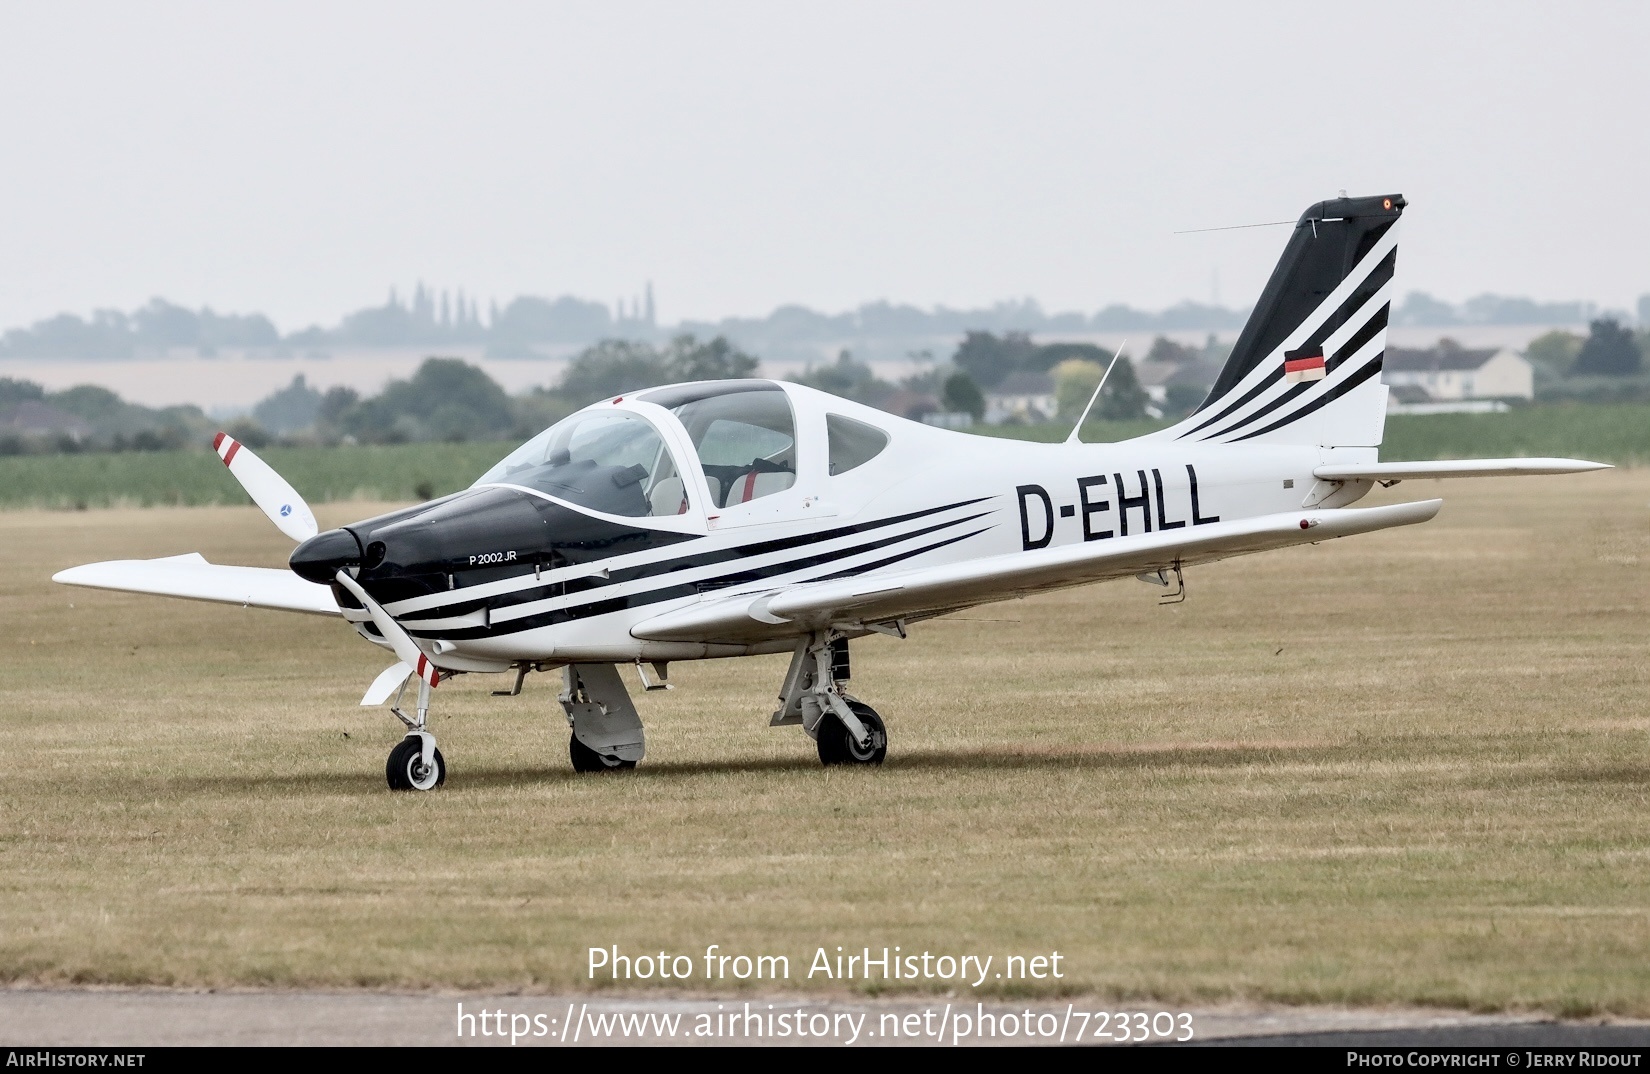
1386	203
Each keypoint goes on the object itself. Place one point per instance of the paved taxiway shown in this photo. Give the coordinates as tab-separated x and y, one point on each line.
158	1018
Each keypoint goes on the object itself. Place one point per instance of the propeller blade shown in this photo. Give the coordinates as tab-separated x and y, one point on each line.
388	681
400	641
268	489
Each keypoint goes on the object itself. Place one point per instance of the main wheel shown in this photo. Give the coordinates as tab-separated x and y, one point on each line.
837	746
406	770
586	759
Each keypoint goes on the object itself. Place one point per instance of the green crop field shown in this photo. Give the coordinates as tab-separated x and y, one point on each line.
1616	434
1407	767
197	478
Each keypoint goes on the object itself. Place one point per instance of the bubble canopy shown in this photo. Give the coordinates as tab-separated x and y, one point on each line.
606	460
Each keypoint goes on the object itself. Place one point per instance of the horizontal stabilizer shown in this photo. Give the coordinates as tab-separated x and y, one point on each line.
193	578
933	590
1417	471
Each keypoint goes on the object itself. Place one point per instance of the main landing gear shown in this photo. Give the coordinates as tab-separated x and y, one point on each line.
607	732
415	764
845	729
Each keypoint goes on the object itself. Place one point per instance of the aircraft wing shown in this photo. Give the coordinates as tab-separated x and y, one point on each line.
882	598
193	578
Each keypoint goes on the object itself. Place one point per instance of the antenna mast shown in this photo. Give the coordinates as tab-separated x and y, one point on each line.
1084	416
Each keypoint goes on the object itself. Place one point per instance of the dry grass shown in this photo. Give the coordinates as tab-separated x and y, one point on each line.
1408	767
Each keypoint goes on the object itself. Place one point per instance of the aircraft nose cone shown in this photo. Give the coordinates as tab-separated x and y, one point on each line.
322	556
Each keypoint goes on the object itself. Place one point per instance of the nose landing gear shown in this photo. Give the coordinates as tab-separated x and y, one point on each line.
415	764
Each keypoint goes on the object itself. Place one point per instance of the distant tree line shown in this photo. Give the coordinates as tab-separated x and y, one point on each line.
528	323
1611	363
525	324
89	418
448	399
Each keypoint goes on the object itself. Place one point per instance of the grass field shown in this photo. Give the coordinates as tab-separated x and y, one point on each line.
1615	434
1407	767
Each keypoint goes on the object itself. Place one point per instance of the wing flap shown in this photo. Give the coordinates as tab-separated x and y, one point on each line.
954	585
193	578
1418	471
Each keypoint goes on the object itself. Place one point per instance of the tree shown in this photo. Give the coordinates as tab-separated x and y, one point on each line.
19	391
290	409
610	368
447	399
1556	350
962	396
1074	382
1049	355
1124	399
989	358
1610	351
849	378
688	359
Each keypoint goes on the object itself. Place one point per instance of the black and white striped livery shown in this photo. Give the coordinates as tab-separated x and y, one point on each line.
736	518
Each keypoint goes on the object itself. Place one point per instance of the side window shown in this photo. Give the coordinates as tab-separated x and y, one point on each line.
746	443
852	443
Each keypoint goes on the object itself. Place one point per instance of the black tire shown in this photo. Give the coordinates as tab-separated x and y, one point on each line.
405	769
836	746
586	759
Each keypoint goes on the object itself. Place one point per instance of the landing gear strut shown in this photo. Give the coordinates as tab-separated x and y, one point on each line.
415	764
607	732
846	729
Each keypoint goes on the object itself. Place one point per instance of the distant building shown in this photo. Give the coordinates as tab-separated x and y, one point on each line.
1023	396
1450	373
34	418
910	404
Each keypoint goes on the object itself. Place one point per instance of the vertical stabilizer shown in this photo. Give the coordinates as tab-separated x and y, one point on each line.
1307	367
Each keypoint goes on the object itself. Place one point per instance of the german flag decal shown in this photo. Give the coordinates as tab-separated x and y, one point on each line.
1304	364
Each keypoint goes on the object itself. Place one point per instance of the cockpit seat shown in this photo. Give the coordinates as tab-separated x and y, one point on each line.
757	483
669	497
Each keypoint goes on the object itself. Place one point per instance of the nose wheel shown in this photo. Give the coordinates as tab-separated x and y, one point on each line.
409	769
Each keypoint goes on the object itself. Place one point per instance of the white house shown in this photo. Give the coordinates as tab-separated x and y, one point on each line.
1450	372
1023	396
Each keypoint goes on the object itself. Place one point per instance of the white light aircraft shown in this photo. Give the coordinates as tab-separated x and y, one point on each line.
735	518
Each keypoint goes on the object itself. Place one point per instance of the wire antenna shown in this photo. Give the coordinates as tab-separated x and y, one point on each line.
1234	227
1084	416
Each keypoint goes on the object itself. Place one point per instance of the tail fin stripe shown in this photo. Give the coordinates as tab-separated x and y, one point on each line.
1344	351
1345	385
1249	396
1376	268
1324	400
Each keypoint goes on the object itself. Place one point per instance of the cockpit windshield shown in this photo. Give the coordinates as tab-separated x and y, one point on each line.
606	460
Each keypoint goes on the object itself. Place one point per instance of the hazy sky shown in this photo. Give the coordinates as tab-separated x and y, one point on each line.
299	159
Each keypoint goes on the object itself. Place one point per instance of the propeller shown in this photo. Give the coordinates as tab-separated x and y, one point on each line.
388	681
400	641
268	489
